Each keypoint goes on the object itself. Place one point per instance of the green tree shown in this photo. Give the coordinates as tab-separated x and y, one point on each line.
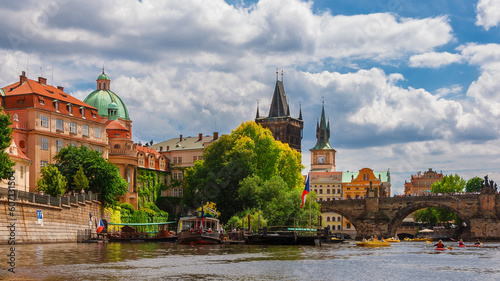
51	182
433	215
249	150
81	182
5	139
474	184
104	177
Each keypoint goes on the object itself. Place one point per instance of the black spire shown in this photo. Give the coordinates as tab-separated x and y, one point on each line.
323	133
279	104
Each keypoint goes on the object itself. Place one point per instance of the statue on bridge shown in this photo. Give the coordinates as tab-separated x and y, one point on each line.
488	187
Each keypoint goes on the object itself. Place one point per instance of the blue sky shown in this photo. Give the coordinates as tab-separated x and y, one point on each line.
407	85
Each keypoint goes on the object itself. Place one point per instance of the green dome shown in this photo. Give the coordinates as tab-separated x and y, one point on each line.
104	99
103	77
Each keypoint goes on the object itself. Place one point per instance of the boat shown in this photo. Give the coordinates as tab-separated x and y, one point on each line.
284	235
141	232
198	230
461	246
376	243
393	240
440	249
417	239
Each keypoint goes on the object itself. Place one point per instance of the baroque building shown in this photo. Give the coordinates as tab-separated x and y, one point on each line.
279	121
422	183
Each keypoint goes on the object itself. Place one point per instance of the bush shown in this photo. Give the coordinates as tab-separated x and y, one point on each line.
127	206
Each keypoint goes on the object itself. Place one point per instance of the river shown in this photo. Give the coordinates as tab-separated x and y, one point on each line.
166	261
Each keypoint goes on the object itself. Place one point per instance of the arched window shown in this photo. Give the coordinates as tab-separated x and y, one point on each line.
333	218
117	146
327	219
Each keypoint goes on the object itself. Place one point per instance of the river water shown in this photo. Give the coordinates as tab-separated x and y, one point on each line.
166	261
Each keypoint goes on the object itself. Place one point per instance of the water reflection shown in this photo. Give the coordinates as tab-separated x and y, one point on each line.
165	261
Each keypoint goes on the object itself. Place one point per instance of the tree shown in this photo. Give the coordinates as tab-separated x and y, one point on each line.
249	150
104	177
433	215
5	139
474	184
51	182
81	182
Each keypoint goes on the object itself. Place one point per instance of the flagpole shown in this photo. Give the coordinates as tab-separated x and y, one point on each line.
310	214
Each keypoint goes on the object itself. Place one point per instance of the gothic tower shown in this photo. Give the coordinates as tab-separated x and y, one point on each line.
322	154
284	127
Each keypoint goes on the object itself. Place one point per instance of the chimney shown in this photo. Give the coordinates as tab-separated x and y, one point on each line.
42	80
60	88
168	148
161	148
200	136
216	136
180	138
22	77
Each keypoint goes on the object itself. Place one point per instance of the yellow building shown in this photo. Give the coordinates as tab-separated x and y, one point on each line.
328	187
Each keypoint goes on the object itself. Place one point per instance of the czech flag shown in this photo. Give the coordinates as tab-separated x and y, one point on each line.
100	228
305	192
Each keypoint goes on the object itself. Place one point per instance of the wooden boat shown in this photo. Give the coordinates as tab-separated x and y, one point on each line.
198	230
139	232
376	243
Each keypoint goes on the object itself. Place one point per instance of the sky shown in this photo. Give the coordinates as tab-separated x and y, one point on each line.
406	85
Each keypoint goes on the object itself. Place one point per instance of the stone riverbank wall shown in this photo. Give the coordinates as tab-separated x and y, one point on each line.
62	217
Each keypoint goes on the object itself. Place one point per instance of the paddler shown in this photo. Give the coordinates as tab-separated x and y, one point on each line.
477	243
439	244
461	243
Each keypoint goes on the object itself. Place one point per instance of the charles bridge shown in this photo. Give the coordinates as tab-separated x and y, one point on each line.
382	216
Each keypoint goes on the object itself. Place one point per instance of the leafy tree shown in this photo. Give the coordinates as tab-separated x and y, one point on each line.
5	139
81	182
104	177
249	150
433	215
474	184
51	182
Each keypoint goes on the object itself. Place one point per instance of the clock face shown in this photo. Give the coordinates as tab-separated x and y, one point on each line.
321	159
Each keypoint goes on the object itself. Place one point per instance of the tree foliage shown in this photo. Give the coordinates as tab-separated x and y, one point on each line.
81	181
474	184
104	177
5	140
51	182
433	215
248	151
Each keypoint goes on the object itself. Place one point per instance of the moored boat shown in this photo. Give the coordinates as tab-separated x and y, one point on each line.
376	243
141	232
393	240
198	230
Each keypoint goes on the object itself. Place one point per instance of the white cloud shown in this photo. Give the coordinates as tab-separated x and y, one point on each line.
434	60
488	13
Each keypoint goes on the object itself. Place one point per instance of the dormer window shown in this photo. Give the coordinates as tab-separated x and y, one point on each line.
56	105
70	109
82	111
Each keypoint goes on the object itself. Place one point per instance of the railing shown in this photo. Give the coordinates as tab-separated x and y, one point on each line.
18	195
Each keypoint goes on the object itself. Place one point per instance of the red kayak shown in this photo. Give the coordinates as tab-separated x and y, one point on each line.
461	246
440	249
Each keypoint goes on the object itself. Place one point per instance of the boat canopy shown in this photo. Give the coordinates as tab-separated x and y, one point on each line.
142	224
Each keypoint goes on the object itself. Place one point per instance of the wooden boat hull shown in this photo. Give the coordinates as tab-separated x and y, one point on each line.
187	237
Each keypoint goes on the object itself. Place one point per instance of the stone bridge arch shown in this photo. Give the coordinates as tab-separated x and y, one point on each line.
399	216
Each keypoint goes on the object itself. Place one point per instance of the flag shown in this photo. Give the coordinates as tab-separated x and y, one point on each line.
305	192
100	228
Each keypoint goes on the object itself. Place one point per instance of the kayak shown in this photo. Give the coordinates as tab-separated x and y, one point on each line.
392	240
440	249
461	246
373	244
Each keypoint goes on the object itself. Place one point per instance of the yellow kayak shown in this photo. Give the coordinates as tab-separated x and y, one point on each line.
392	240
373	244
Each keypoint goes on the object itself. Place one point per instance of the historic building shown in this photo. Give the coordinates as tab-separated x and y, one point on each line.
45	119
322	154
284	127
182	152
328	187
422	183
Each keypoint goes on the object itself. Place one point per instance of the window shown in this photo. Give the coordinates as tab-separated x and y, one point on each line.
22	171
70	109
338	227
162	163
328	219
328	191
98	149
56	105
175	160
141	161
85	130
72	127
348	225
321	191
44	143
59	125
98	133
151	162
179	160
333	218
41	101
82	111
59	145
44	121
44	163
195	158
177	192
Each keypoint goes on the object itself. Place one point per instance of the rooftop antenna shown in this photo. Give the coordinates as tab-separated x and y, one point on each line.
276	74
282	75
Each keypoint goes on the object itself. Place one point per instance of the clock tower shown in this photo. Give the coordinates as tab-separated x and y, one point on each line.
322	154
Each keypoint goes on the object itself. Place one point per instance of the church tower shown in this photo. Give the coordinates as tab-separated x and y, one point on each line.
322	154
284	127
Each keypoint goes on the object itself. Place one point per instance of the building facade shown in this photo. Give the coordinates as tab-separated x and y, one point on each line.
46	119
279	121
328	187
421	183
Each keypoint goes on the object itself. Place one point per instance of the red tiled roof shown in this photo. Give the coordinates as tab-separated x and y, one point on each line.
115	125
